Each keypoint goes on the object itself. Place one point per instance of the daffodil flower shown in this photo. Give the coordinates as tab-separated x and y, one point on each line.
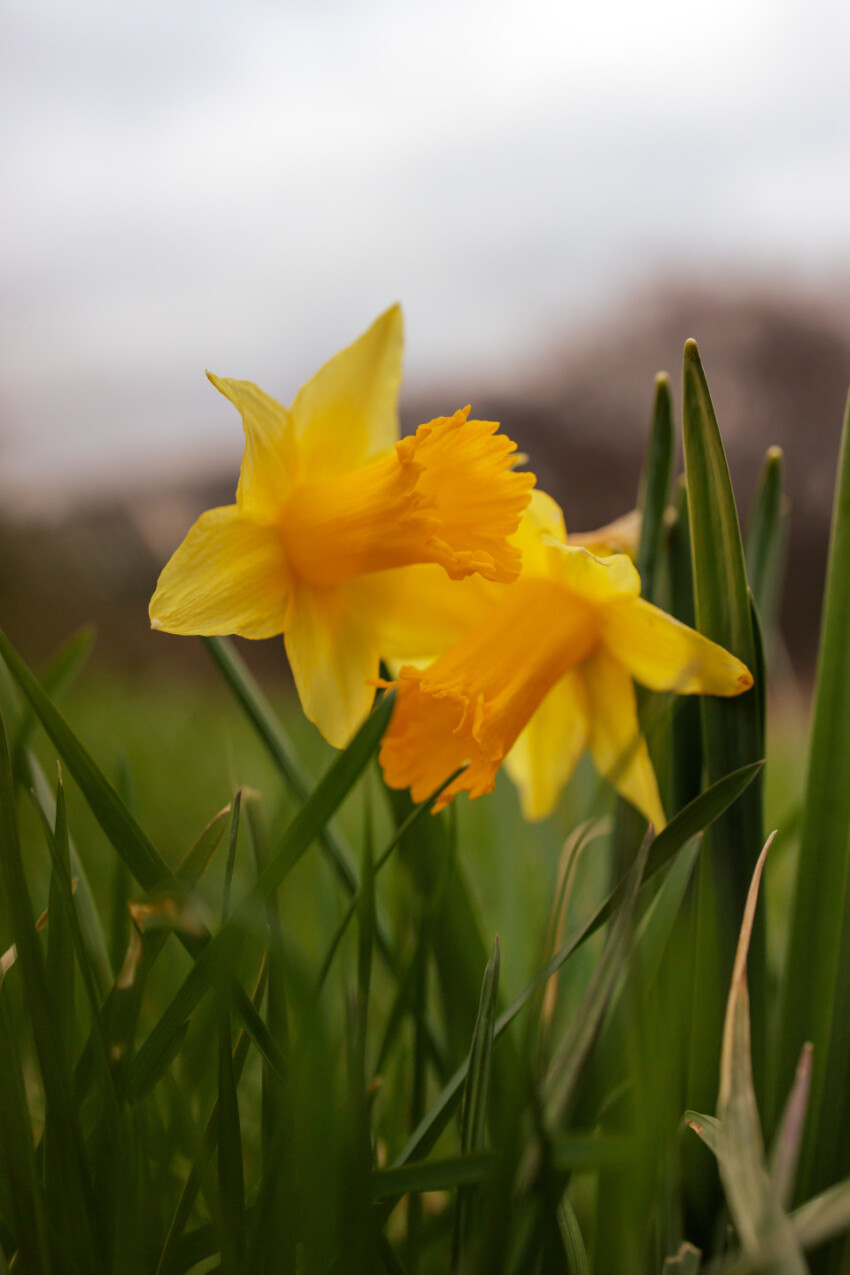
544	670
330	504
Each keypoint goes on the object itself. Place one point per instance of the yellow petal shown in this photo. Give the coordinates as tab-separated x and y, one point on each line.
269	463
228	576
333	652
545	754
665	655
596	580
348	411
419	612
541	523
619	750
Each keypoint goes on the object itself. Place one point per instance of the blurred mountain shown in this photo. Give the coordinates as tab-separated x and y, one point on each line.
778	367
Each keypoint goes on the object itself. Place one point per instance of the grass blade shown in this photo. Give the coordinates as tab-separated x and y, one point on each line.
73	1200
84	901
300	835
573	1240
789	1135
27	1214
565	1067
767	533
822	897
231	1182
473	1116
59	968
730	730
655	486
60	673
120	827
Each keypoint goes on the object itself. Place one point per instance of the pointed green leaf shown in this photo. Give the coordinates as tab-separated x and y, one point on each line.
573	1240
126	836
767	532
473	1114
655	486
789	1135
731	728
574	1047
60	673
816	1003
231	1180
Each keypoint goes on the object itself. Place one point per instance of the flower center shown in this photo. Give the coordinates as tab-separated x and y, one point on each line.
448	494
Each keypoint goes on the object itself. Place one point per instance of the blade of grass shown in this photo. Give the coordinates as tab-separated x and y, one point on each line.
740	1149
731	733
27	1214
816	1000
416	813
121	1007
573	1240
86	907
569	1056
73	1199
59	968
655	486
270	729
108	1150
60	673
301	834
169	1262
686	763
737	1135
431	1175
766	537
473	1113
276	1116
131	843
789	1135
231	1181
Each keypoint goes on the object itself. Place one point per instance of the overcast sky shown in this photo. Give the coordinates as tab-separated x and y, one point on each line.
244	186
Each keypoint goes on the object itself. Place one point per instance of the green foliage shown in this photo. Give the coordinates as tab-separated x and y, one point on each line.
257	1057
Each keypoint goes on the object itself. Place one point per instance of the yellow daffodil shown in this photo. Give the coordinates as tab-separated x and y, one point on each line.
329	505
544	670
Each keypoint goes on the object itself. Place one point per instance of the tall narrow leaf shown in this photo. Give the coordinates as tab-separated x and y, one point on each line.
473	1116
655	486
766	536
731	730
73	1196
816	1003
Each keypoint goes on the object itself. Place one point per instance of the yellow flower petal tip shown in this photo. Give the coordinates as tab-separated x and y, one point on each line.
327	496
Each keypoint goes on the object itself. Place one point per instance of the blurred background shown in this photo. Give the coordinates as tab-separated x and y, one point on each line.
559	194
